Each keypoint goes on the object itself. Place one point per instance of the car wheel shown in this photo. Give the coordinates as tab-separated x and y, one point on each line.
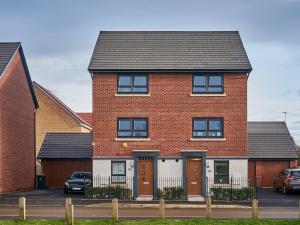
66	191
275	188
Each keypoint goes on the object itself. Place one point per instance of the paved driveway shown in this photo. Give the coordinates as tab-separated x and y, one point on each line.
268	198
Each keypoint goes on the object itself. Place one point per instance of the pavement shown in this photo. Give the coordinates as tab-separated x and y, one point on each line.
83	212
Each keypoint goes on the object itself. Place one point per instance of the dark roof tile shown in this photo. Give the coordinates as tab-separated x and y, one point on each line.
169	50
66	146
270	140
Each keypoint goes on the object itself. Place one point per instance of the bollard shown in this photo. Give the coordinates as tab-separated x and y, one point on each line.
254	209
115	210
22	208
67	204
208	208
71	215
162	208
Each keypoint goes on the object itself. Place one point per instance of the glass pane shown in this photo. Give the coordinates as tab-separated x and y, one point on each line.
221	168
215	80
214	125
215	89
140	125
124	89
139	90
139	133
124	81
124	125
295	173
199	89
199	124
215	134
199	133
140	81
118	168
124	133
199	80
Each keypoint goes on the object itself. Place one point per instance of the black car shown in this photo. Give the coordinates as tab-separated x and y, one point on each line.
77	182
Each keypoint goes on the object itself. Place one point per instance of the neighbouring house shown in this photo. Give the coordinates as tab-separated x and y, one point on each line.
169	105
62	154
54	116
18	105
86	116
271	149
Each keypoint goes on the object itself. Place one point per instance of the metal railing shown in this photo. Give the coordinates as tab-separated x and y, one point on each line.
174	188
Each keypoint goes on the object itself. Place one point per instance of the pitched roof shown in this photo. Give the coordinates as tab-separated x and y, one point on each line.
169	51
270	140
62	105
66	146
86	116
7	51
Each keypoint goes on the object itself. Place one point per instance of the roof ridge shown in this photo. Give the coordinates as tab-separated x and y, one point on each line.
62	104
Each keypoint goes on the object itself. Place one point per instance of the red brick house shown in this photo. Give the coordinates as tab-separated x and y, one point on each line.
18	105
169	104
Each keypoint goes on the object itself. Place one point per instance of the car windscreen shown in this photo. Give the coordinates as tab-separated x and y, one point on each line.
81	176
295	173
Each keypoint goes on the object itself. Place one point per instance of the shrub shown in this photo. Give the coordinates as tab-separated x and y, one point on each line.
109	192
228	194
171	193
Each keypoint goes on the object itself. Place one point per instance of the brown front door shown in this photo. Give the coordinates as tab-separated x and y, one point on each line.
145	177
194	176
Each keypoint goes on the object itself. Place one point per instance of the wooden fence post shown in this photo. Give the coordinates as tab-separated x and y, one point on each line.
71	213
22	208
162	208
254	209
68	202
208	208
115	210
299	209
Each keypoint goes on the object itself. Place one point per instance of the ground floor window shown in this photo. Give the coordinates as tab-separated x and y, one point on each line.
118	171
221	172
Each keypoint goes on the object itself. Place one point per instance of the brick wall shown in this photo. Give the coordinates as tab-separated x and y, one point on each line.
16	129
52	118
170	110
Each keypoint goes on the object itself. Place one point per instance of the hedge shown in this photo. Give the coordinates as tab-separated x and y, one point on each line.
171	193
109	192
228	194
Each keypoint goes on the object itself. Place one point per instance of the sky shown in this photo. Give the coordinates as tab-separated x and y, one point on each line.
58	38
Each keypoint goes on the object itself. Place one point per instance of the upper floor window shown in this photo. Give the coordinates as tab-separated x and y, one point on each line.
133	84
133	127
208	127
208	84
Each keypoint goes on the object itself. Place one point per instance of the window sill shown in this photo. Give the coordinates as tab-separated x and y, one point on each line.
207	139
132	139
132	95
208	95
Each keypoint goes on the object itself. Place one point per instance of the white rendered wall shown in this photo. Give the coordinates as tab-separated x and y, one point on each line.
169	168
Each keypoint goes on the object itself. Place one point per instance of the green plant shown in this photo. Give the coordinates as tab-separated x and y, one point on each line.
171	193
108	192
235	194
